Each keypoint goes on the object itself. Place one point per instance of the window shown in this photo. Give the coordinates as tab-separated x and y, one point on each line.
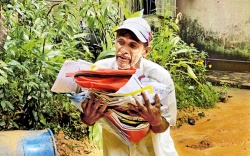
153	6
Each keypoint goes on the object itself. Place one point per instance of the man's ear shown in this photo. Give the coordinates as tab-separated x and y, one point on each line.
147	50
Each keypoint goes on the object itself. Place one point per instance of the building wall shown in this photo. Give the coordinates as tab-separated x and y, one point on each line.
227	17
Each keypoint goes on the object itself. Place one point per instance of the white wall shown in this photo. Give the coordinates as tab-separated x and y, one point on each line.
227	17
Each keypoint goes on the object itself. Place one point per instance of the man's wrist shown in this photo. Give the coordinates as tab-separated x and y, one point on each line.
157	124
160	127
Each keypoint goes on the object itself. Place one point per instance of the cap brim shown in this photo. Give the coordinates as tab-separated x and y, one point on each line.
135	31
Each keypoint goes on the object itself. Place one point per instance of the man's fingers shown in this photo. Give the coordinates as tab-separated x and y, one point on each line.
84	104
103	108
133	113
97	103
157	101
132	107
91	100
146	100
139	105
107	113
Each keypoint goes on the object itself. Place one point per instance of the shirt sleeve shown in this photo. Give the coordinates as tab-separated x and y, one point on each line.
158	73
169	107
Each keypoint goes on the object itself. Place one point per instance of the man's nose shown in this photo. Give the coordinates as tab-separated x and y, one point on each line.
123	53
124	50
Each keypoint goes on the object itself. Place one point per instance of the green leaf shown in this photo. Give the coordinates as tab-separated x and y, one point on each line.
127	13
15	124
74	115
38	33
9	105
66	106
191	72
175	27
165	54
26	37
81	35
3	73
137	14
52	54
42	119
178	87
35	115
2	64
3	104
179	52
33	84
175	40
14	63
31	44
109	41
106	54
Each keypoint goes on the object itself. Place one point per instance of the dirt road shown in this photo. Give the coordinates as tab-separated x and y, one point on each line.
224	131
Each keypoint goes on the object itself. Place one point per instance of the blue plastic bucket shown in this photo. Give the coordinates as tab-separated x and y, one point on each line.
28	143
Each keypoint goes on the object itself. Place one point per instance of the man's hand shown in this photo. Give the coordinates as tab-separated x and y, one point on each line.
92	110
150	113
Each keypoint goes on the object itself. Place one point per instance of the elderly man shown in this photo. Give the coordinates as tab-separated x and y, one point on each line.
132	45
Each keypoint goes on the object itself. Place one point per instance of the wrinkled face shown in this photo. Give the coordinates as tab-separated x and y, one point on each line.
129	52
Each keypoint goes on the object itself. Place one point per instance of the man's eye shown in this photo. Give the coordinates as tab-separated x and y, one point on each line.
120	42
133	45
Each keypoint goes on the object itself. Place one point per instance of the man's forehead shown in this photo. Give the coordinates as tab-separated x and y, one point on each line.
128	37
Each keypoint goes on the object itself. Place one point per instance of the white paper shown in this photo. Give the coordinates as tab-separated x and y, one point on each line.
159	88
124	101
65	84
132	85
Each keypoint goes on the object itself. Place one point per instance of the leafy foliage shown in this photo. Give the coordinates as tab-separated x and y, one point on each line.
185	63
41	36
38	42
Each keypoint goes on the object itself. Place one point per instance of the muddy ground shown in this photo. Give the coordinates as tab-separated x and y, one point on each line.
222	131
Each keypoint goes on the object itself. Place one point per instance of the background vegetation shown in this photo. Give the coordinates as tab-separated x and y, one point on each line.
185	63
42	35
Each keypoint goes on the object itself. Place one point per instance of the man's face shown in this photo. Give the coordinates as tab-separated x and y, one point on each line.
128	52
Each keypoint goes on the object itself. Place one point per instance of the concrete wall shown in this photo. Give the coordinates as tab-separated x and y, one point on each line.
227	17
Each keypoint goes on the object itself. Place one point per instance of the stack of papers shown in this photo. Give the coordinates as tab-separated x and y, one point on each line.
120	99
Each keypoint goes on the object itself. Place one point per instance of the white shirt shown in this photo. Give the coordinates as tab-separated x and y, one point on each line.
153	144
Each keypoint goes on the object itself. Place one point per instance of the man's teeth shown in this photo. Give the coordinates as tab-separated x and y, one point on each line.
123	58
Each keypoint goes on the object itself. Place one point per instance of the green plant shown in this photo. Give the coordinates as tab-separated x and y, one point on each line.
185	63
100	19
38	42
224	86
41	36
